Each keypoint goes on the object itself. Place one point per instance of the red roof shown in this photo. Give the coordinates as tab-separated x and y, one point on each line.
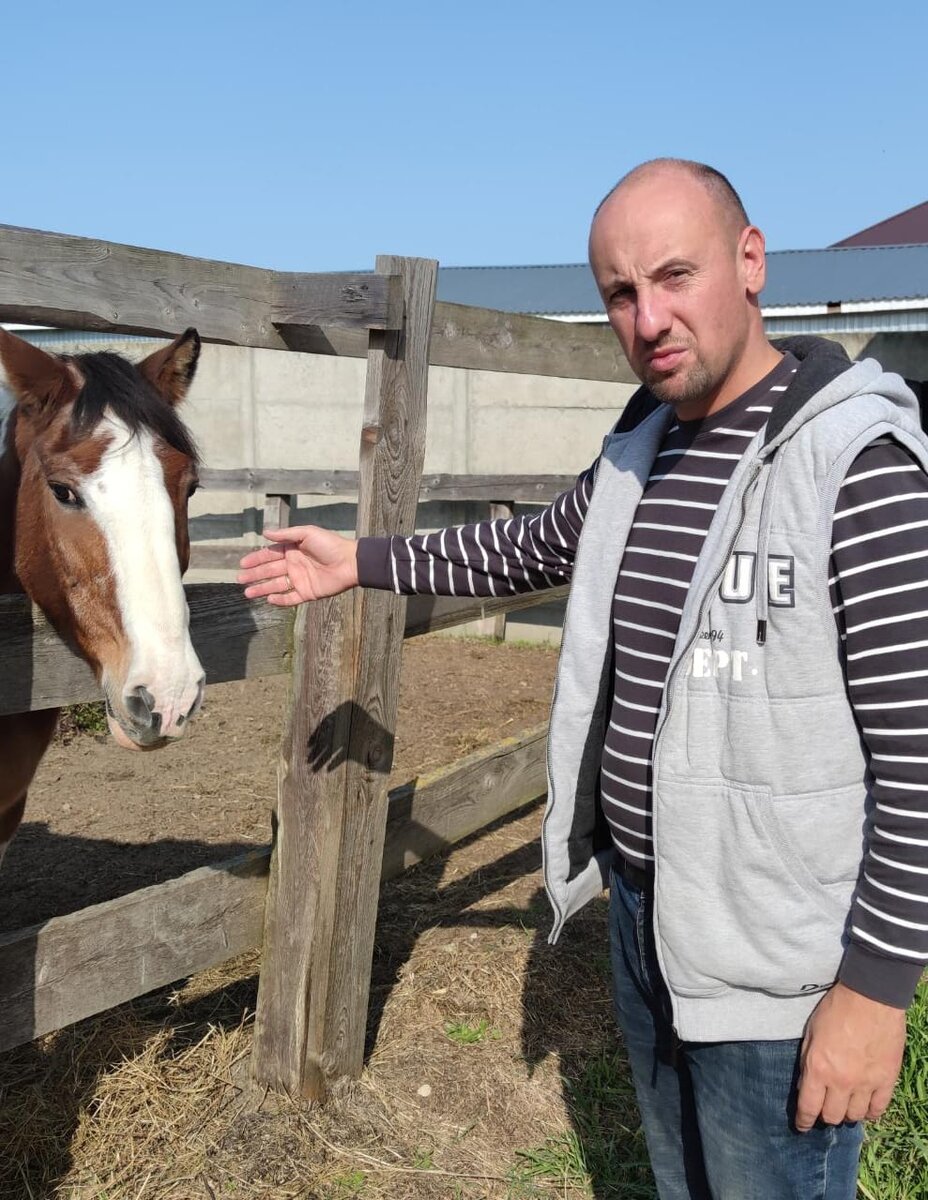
904	229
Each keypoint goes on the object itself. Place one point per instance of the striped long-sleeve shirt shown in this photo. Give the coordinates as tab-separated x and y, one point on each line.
879	583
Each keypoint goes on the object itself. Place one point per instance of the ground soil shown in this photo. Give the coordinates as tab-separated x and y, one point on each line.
492	1068
102	821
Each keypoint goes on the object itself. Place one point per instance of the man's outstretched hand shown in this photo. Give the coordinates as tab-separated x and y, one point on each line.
305	563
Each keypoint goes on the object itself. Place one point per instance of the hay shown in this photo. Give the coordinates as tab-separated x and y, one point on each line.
478	1032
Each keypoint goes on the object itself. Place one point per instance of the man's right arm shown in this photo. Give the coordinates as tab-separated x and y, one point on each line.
490	558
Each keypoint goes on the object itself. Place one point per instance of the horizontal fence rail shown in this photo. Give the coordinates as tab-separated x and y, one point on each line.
83	283
75	966
522	488
235	638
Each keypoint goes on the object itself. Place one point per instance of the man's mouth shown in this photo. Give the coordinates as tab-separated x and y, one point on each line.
666	358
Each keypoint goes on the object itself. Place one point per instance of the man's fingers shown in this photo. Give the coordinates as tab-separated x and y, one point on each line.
858	1106
294	533
809	1104
257	558
280	583
879	1102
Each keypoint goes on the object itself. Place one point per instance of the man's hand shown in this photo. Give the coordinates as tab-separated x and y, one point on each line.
850	1059
307	563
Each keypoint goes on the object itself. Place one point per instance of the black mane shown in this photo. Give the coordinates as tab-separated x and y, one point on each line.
112	382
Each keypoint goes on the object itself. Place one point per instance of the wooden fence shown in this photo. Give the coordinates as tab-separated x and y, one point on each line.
312	900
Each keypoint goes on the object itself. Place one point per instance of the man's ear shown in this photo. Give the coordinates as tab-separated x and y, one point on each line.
752	256
171	370
40	382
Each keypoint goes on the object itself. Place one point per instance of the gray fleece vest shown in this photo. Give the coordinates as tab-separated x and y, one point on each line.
760	780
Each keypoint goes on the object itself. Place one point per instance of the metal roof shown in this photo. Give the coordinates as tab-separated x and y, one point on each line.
838	275
900	230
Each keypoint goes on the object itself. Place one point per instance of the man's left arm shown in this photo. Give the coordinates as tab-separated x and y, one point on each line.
852	1051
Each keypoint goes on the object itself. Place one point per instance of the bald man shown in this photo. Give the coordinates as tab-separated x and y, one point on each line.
738	742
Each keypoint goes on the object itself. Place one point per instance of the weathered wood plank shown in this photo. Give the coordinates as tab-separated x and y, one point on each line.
319	926
277	510
522	488
72	967
428	614
486	340
447	805
365	301
82	283
235	638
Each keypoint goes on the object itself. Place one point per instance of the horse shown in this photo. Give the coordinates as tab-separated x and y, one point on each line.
96	469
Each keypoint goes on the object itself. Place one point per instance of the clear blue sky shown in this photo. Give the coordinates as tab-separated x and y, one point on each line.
310	136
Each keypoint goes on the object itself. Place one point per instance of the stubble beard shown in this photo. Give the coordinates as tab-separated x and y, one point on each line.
696	385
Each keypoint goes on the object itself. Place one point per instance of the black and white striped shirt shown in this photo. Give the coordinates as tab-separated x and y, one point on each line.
879	582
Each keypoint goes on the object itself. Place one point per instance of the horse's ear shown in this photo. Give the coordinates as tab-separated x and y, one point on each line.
39	380
172	369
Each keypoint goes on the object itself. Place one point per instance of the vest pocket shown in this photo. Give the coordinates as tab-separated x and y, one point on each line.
736	904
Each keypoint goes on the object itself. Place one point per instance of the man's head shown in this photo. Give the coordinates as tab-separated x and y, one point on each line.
680	267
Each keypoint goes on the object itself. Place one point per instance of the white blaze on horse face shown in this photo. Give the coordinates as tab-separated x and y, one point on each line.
128	499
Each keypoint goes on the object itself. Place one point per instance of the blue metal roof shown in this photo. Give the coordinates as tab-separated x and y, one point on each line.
839	275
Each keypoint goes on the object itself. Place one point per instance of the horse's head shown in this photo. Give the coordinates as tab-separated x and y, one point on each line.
106	470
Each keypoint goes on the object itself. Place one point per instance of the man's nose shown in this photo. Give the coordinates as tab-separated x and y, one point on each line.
652	319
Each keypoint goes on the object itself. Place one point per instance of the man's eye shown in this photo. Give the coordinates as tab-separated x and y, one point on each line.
66	495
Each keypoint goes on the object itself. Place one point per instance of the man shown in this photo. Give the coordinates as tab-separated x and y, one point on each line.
739	737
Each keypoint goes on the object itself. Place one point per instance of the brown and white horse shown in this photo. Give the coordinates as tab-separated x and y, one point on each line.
96	469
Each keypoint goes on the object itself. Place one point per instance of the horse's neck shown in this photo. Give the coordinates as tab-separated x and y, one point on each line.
9	485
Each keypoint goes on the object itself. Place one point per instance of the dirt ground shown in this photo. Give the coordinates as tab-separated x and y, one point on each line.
101	821
492	1066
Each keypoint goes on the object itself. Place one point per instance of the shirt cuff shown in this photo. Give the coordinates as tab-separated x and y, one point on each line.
374	565
888	980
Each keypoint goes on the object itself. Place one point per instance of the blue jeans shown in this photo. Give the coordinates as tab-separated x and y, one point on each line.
717	1116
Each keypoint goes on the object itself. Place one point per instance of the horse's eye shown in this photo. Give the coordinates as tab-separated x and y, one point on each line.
66	495
193	487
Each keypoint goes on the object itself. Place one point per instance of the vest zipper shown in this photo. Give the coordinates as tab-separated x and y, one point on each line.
669	693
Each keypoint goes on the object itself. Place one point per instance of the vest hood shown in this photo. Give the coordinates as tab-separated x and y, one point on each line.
826	376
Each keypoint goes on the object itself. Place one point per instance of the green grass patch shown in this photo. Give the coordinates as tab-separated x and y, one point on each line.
344	1186
82	718
604	1152
894	1161
468	1033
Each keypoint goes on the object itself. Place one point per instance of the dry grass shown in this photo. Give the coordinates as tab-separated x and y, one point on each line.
491	1068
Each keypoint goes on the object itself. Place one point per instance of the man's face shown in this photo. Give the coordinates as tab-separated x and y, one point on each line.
672	275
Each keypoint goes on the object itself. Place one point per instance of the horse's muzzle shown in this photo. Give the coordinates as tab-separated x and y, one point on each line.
136	725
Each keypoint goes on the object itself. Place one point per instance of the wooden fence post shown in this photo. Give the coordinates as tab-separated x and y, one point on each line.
277	510
337	753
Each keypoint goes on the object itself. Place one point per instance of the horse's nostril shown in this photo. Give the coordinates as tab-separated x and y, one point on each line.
139	704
